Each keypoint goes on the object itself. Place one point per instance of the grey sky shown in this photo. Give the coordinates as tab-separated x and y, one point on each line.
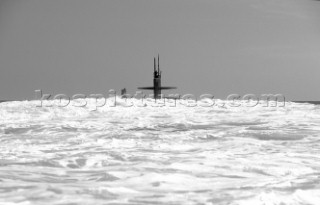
214	46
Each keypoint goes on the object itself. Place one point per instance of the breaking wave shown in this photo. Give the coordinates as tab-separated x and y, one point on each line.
159	155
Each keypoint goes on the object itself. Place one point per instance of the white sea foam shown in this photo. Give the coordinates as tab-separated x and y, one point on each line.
159	155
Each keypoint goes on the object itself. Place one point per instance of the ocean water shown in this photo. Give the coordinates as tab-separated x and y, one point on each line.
159	155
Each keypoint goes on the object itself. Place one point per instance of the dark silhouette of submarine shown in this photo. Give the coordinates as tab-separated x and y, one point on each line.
156	82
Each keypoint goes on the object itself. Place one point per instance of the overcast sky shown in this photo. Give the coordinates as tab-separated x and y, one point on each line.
206	46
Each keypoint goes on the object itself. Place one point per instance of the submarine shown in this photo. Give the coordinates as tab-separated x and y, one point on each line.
157	82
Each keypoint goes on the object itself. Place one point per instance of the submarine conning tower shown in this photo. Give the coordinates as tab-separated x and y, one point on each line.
156	81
